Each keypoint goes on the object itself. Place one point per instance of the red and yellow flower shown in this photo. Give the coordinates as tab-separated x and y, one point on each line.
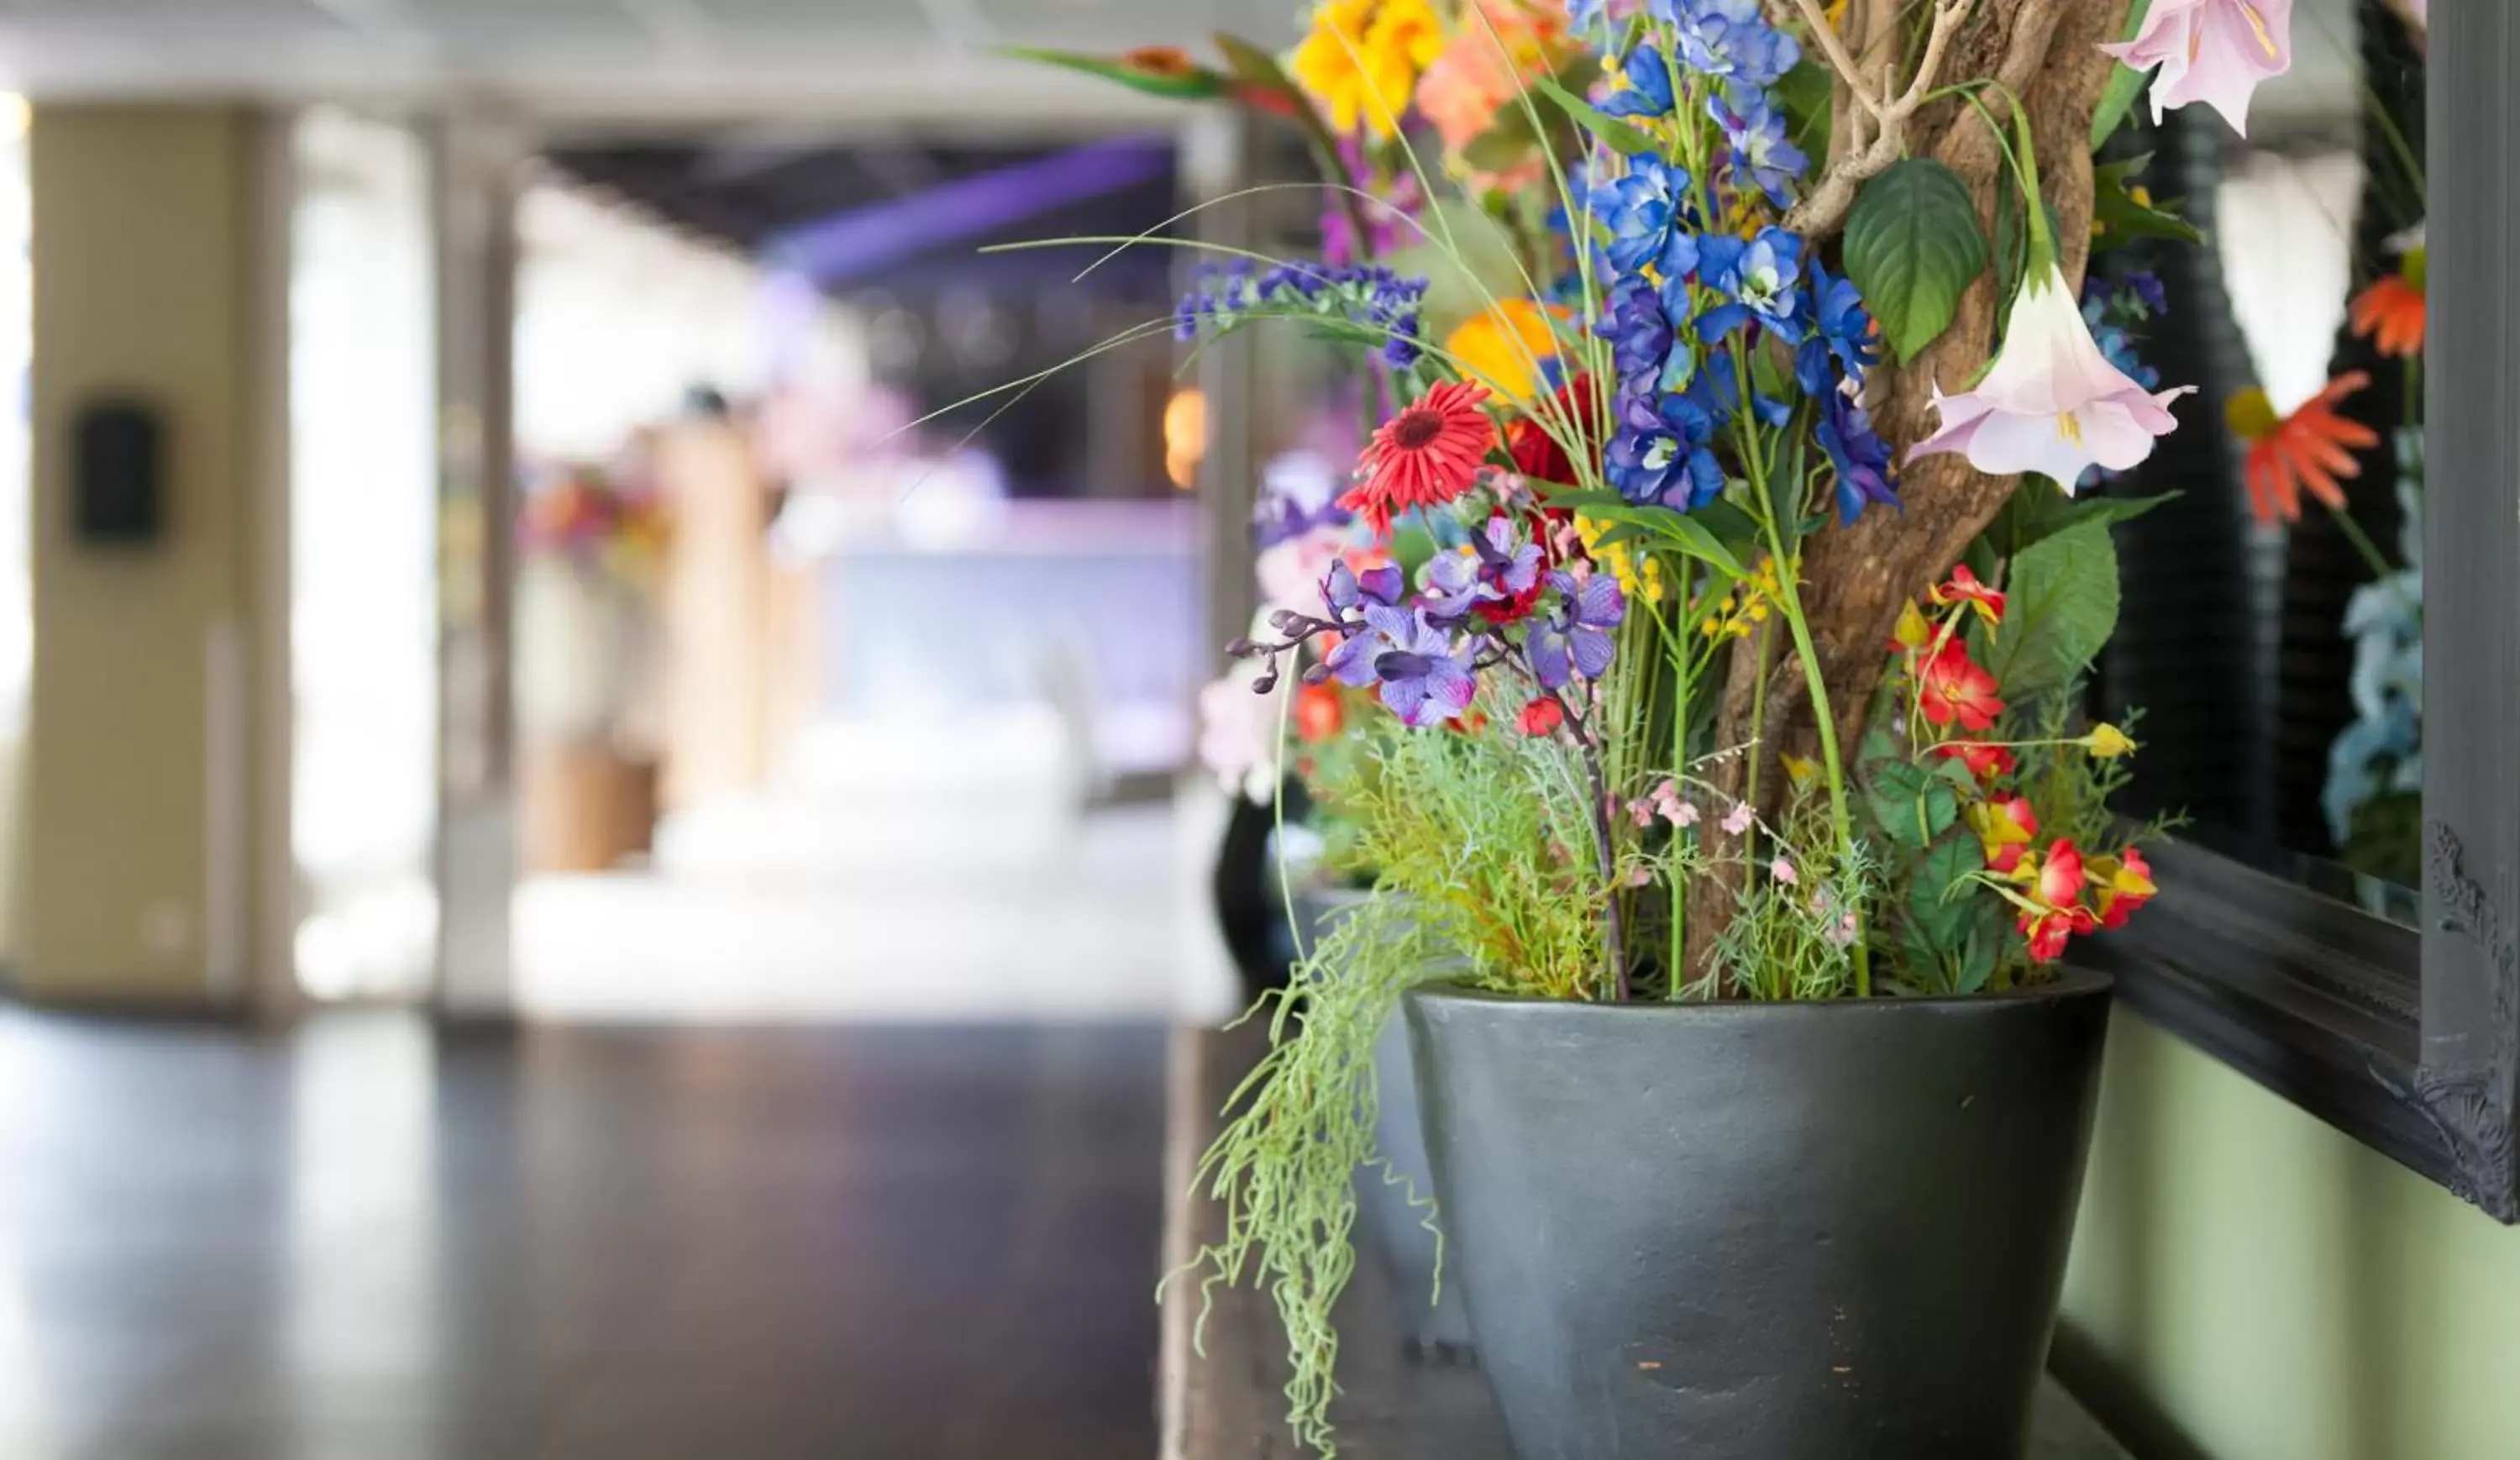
1984	761
2119	886
2052	910
2003	831
1964	587
1952	687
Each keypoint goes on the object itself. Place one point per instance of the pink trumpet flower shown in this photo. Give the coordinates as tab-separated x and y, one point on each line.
2051	403
2211	51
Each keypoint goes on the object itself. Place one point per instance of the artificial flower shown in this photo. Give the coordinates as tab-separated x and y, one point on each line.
1914	631
1542	717
2390	313
1424	677
1507	347
1495	576
2003	831
1661	455
2119	885
1361	60
1739	820
2211	51
1497	47
1638	573
2107	741
1857	455
1954	687
2311	448
1984	761
1759	278
1732	39
1238	732
1754	136
1841	327
1649	213
1783	871
2055	912
2051	403
1964	587
1425	456
1576	639
1646	89
1319	712
1536	441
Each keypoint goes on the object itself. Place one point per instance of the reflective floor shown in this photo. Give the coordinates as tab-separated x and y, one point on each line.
371	1242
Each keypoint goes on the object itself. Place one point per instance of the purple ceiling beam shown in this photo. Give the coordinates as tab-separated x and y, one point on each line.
852	244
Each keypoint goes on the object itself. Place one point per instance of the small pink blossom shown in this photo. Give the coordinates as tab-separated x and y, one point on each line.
1642	812
2211	51
1739	820
1685	816
1843	934
1783	871
1642	877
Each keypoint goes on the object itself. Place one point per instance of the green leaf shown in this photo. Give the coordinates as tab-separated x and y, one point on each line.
2032	514
1913	246
1197	83
1468	261
1693	539
1807	94
1620	534
2061	604
2126	84
2122	219
1940	899
1615	134
2013	245
1977	959
1911	806
1734	528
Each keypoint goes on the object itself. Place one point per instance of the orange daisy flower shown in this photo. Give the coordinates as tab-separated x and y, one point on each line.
2391	312
2311	448
1425	456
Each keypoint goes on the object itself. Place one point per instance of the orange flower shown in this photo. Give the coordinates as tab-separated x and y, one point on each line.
1319	715
2391	312
1425	456
2310	448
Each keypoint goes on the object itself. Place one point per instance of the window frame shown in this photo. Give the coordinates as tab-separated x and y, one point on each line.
2408	1040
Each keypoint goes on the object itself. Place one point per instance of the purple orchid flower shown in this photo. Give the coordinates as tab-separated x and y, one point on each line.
1425	678
1576	640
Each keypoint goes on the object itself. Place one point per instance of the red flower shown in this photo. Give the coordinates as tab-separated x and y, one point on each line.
2119	885
1539	455
2003	829
1541	717
1318	715
2310	448
2391	312
1965	588
1984	761
1954	686
2057	912
1425	456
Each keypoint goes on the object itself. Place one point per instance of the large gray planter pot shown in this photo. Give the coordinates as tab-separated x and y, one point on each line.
1760	1231
1397	1234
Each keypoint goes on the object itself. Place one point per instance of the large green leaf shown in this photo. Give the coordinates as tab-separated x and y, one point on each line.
1913	246
1187	81
1910	804
2125	84
2061	604
2035	511
1940	898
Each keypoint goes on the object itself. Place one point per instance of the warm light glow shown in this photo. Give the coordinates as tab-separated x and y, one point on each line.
1185	436
14	115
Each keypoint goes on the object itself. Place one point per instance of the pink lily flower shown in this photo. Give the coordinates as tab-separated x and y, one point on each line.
2051	403
2211	51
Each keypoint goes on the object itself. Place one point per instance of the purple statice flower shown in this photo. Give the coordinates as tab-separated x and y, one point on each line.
1754	136
1647	215
1858	454
1760	280
1729	39
1576	638
1425	676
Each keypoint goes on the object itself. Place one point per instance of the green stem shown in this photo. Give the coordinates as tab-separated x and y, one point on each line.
2372	558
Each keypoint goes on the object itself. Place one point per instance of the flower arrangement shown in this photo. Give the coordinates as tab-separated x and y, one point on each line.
1705	689
579	514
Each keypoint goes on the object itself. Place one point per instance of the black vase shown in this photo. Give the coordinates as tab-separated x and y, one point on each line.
1809	1231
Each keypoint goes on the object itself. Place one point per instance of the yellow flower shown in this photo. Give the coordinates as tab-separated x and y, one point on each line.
1913	632
1803	772
1361	58
1501	348
2107	741
1638	576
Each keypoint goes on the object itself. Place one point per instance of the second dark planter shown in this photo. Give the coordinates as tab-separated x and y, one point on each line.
1760	1231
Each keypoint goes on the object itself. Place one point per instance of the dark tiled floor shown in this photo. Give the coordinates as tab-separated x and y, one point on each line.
365	1241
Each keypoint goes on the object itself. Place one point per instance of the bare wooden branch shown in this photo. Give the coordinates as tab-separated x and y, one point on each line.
1885	139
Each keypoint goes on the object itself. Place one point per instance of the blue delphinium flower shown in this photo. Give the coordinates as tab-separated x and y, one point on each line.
1638	327
1754	134
2145	286
1648	218
1659	456
1220	297
1840	327
1426	677
1731	39
1575	639
1861	458
1648	92
1759	279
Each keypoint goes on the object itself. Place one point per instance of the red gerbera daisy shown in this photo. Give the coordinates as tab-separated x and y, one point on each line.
2310	448
1425	456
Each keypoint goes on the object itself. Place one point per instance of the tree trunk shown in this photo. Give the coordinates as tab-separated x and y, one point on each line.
1855	580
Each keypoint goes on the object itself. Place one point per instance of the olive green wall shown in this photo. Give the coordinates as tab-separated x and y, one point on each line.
2248	1284
138	796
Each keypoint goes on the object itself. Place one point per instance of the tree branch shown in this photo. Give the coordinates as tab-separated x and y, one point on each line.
1824	209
